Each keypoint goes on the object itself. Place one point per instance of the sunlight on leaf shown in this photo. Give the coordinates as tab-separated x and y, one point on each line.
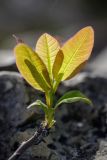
47	48
36	75
30	66
49	64
57	64
77	51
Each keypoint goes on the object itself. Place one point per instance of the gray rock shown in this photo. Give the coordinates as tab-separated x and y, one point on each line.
80	132
102	152
16	122
13	97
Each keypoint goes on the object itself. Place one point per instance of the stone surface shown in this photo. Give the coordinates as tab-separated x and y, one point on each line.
16	122
13	97
80	132
12	105
102	152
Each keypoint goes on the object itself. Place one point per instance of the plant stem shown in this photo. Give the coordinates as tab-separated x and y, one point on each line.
49	98
42	132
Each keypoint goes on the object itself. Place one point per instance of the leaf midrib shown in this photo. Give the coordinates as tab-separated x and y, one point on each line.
75	52
48	56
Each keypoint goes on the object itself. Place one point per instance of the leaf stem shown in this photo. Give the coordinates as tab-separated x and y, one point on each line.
49	98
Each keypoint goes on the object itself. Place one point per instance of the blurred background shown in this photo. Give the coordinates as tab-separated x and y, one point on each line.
28	19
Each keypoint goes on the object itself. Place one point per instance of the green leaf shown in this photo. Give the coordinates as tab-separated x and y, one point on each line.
47	48
36	75
73	96
39	104
76	51
49	112
57	64
31	67
56	82
56	68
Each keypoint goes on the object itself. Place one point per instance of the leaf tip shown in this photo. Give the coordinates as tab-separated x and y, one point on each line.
90	29
45	35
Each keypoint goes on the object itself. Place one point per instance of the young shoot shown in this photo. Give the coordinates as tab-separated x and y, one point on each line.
45	67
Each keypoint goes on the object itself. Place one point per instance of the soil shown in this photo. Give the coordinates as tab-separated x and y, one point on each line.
80	132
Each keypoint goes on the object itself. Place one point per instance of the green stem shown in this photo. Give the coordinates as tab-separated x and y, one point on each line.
49	116
49	98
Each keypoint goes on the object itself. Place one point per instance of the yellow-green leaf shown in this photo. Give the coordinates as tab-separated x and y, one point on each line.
31	67
57	64
76	70
76	52
47	48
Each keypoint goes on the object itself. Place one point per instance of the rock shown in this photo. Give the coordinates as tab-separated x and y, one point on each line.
13	97
16	122
102	152
80	132
83	126
12	105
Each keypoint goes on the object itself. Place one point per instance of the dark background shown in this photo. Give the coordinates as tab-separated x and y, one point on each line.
62	18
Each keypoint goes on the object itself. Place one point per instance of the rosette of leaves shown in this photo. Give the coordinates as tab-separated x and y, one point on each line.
49	64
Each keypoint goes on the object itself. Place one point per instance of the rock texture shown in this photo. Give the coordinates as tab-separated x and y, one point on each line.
12	101
80	132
